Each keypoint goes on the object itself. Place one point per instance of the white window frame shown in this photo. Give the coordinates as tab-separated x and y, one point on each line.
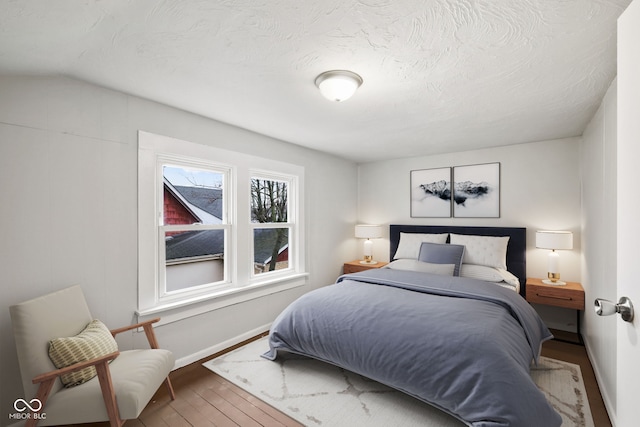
164	296
291	224
240	283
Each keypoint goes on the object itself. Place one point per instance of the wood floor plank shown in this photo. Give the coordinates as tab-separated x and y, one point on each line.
155	418
190	412
174	419
210	412
159	400
235	414
233	396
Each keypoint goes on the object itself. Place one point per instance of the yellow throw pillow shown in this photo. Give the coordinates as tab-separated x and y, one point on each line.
94	341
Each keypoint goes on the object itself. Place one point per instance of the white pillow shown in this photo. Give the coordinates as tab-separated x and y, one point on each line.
409	246
488	274
483	250
423	267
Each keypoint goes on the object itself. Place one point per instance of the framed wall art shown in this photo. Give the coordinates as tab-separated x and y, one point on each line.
431	193
476	191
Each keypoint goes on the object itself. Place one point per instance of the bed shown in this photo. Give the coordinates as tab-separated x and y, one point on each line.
461	344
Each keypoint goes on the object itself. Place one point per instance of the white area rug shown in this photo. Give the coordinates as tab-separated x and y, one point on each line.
320	394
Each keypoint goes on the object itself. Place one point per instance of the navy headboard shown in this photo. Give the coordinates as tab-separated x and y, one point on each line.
516	248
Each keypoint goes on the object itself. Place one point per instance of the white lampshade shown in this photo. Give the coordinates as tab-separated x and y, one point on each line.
554	240
368	231
338	85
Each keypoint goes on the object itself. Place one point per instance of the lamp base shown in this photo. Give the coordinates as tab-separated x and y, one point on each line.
368	262
556	283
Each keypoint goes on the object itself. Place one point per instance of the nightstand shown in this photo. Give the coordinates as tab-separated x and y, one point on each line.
569	296
355	266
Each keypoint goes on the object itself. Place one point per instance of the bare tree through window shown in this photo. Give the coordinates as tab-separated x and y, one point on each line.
269	204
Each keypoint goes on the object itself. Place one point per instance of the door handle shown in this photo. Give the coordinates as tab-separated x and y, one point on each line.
605	307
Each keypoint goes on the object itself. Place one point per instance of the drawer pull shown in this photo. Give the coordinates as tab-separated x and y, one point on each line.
555	297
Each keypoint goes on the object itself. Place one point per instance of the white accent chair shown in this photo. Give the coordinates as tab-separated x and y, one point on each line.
122	388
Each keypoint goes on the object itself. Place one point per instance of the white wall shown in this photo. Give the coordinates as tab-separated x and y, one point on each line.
68	167
540	189
599	200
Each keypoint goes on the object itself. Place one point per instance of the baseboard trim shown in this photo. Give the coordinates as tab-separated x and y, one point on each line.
204	353
603	392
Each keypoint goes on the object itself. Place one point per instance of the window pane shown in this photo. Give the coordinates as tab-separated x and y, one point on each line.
270	249
192	196
268	201
194	258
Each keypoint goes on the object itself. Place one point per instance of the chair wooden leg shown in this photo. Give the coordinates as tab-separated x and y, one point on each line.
42	395
172	394
108	394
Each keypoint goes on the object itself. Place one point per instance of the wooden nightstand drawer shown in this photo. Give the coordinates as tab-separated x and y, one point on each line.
355	266
570	295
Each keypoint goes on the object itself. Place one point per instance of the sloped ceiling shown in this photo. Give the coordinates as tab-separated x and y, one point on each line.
439	75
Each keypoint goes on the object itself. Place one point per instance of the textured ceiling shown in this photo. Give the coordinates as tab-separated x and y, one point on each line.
439	75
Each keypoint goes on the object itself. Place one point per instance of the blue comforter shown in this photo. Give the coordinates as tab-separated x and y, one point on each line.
462	345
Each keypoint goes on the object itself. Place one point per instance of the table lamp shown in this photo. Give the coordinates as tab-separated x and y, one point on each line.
368	232
554	240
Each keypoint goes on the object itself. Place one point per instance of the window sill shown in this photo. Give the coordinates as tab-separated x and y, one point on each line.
175	311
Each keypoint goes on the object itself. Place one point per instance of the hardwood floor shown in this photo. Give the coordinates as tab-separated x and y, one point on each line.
206	399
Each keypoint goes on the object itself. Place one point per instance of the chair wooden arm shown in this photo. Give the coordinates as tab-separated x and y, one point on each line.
147	323
148	331
75	367
101	364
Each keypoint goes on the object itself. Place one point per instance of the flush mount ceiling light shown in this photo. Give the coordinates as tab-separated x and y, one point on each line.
338	85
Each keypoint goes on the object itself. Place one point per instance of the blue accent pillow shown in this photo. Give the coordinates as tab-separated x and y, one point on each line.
437	253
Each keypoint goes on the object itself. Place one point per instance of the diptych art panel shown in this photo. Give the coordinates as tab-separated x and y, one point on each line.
470	191
476	191
431	193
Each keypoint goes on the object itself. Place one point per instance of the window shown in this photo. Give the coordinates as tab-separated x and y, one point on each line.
271	222
193	227
213	229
